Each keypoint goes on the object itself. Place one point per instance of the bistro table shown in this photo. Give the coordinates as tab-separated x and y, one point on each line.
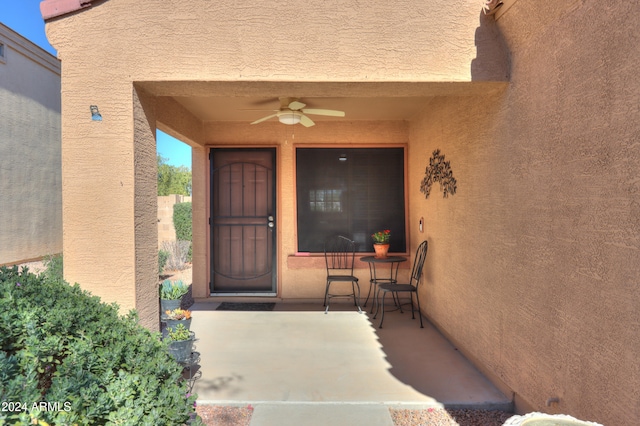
394	261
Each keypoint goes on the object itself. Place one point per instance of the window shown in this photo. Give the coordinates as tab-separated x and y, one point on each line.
352	192
1	52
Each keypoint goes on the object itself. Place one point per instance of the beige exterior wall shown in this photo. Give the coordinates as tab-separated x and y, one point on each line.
30	164
532	266
158	42
166	230
534	263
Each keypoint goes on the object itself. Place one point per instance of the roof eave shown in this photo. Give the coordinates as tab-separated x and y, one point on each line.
54	8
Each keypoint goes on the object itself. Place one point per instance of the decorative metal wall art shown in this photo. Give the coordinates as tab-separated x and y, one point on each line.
438	170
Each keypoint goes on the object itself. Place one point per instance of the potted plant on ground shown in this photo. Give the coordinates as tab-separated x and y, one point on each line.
381	242
177	316
171	294
180	342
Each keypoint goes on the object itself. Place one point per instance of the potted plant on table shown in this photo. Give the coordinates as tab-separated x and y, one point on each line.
177	316
180	342
171	294
381	242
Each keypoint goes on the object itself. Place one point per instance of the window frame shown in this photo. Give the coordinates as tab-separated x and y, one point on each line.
404	148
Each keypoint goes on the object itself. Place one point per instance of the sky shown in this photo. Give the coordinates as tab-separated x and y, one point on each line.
23	17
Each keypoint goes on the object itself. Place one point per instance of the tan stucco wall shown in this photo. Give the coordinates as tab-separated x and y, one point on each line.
110	46
166	230
532	267
533	264
30	164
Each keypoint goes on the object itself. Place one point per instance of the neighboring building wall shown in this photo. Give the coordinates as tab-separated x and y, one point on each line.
166	230
30	163
534	264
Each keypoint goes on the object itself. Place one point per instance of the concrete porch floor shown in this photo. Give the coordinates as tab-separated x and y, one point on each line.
296	363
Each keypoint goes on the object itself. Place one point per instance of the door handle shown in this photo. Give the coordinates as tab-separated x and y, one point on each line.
271	223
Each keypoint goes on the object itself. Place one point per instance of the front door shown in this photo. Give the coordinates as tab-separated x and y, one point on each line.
243	221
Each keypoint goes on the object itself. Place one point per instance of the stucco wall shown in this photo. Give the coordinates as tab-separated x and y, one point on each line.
532	267
533	264
113	45
30	163
166	230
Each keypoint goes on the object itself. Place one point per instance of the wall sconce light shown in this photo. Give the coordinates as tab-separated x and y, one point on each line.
343	157
95	114
287	117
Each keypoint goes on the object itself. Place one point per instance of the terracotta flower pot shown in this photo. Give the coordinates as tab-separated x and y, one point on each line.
381	249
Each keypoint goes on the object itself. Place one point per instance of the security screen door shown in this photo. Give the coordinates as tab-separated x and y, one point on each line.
243	221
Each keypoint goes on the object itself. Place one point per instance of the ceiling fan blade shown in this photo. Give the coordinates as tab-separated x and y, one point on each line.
296	105
306	121
329	112
265	118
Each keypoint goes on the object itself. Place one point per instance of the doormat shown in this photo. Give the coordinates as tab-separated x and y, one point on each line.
238	306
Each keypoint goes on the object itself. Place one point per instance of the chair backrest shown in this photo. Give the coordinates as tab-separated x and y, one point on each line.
339	253
418	263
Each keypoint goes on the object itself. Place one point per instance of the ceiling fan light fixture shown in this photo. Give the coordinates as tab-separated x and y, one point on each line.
289	117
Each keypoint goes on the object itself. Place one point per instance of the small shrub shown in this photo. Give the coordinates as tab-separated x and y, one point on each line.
173	290
163	256
178	254
179	333
54	267
182	222
60	345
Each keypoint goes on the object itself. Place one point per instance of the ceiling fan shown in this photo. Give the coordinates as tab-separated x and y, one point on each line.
292	111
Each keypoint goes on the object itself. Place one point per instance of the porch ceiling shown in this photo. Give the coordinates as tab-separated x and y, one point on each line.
249	101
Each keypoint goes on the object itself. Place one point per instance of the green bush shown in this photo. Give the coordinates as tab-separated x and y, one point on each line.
182	222
163	256
62	347
54	266
173	290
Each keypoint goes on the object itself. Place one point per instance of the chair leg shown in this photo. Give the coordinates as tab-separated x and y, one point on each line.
376	302
327	298
396	301
368	294
356	300
326	292
411	301
419	311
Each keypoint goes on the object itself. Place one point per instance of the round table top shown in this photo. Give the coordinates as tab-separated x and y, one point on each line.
388	259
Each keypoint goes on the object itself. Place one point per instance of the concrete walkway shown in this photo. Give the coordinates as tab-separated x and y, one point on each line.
296	366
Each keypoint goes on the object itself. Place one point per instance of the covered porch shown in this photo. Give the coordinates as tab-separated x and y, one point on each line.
296	363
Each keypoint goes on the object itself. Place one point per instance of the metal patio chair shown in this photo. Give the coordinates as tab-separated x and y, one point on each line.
411	287
339	254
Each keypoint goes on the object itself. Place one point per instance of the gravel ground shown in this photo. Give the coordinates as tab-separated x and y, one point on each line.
225	416
440	417
241	416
